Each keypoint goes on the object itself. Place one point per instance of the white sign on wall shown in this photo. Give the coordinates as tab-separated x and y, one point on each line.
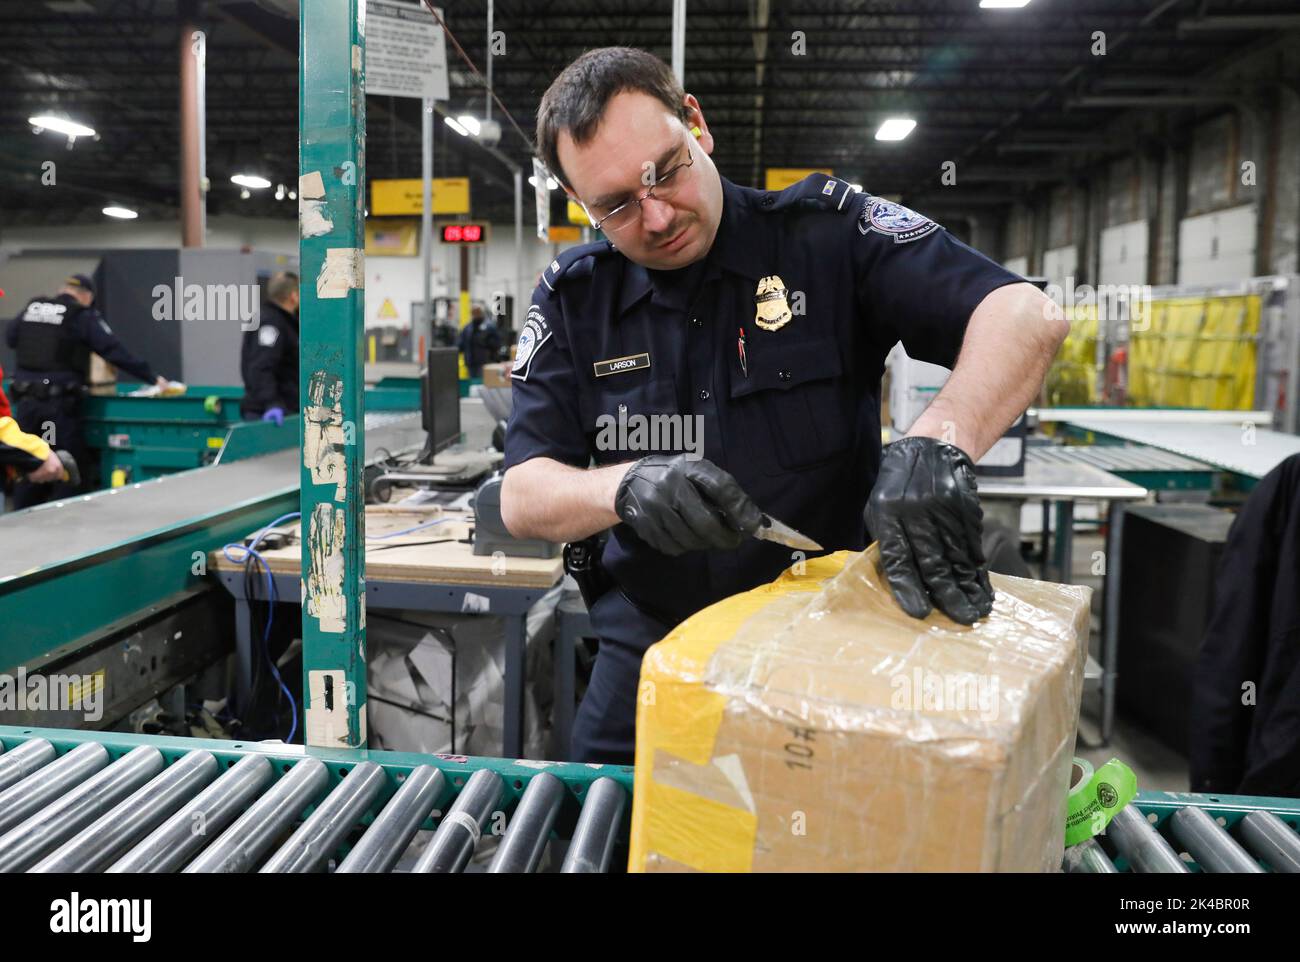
406	52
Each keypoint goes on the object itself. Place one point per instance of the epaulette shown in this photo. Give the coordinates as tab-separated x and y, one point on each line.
814	192
574	262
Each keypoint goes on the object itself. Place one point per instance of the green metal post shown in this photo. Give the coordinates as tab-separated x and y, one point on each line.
331	197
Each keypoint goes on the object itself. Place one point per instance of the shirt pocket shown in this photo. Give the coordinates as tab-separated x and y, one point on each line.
629	419
790	406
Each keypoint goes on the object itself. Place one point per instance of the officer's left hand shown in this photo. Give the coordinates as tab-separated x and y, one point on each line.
925	513
276	415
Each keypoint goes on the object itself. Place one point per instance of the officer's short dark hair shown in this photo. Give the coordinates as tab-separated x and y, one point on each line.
577	98
281	285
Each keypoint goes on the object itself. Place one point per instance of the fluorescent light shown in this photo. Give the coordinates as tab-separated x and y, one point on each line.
1003	4
61	125
895	128
250	180
121	213
455	125
470	123
551	182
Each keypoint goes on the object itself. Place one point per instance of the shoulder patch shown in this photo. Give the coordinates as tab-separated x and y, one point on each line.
535	333
814	192
267	335
893	220
569	262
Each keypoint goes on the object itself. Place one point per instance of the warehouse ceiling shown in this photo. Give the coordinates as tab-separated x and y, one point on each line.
1017	99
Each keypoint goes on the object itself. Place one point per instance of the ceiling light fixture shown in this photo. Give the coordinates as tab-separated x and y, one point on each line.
896	128
251	181
121	213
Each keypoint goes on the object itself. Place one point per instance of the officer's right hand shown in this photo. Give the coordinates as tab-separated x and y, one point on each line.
677	505
276	415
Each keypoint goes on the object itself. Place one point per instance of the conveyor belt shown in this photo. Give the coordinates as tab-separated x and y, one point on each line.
74	801
1114	458
66	531
1252	451
83	801
1179	832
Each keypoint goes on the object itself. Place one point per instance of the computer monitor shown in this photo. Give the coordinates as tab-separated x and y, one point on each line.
440	399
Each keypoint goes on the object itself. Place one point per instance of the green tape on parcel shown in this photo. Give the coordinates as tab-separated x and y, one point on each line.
1095	797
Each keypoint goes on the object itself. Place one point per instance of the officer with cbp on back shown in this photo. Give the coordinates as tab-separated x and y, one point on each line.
53	338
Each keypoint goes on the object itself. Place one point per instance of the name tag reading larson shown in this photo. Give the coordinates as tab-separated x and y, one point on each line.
617	365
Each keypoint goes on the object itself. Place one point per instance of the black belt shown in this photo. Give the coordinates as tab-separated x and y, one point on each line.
47	390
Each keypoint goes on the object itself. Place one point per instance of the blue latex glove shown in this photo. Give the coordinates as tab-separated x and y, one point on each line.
276	415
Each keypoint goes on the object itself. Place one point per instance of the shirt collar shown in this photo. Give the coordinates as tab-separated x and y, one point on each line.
738	248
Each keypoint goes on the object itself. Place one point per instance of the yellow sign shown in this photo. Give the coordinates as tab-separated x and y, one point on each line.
392	238
577	215
387	310
779	178
564	235
85	687
406	196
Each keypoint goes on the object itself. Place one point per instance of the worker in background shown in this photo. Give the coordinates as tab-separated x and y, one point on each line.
1245	717
760	320
480	342
23	454
53	338
268	358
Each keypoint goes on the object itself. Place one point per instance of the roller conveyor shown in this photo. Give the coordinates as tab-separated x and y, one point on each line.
106	801
1178	832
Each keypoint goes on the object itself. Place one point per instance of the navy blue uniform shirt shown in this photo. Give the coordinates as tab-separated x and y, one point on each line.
792	412
84	325
268	361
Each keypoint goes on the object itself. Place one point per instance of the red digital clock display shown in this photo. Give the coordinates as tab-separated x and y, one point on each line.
462	233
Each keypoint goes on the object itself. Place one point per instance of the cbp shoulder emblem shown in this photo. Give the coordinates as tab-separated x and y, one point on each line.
772	310
267	335
894	220
535	333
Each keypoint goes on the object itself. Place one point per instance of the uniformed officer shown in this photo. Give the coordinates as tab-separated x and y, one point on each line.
53	338
268	357
480	342
720	357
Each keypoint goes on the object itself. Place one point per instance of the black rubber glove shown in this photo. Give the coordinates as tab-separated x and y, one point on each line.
925	513
677	505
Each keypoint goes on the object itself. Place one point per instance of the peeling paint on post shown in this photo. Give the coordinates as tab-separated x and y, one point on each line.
331	178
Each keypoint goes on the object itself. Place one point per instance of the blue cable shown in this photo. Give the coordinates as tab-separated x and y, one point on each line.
418	527
270	615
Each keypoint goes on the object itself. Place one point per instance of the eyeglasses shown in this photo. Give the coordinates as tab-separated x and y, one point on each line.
623	216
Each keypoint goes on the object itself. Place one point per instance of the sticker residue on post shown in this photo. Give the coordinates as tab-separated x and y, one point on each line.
325	600
322	433
343	270
313	214
327	708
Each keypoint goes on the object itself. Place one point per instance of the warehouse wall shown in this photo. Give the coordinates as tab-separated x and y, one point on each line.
1178	206
26	272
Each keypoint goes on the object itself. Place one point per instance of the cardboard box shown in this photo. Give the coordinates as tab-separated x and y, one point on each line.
811	725
497	375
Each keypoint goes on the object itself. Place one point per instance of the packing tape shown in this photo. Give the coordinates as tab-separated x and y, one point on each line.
1095	797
